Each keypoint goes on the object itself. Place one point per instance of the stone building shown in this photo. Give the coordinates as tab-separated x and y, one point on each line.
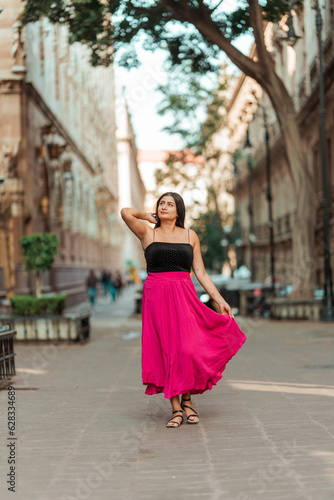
131	187
248	108
58	155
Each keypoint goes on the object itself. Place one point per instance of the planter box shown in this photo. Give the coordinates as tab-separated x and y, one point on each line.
73	327
296	309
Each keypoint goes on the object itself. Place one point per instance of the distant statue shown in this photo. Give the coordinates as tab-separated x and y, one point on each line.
9	160
18	51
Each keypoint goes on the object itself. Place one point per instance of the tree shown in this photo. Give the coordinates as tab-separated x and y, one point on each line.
197	32
208	227
184	94
197	109
39	251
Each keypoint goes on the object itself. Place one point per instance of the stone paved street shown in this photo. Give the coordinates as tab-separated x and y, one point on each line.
86	430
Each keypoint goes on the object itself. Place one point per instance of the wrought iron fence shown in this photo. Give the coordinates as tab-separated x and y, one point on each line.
7	360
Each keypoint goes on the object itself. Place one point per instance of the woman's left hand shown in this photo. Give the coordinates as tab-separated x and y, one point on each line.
225	309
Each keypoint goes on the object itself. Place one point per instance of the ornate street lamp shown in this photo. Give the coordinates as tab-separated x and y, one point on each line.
291	36
248	150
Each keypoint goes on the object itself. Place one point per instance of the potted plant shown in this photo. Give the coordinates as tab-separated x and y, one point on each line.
38	253
42	317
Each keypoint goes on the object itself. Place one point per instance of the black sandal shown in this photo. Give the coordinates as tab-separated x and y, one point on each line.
192	414
171	419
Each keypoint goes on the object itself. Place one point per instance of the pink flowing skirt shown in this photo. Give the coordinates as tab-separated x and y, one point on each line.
185	344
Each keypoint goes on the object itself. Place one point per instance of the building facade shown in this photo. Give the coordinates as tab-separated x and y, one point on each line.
249	109
131	187
58	155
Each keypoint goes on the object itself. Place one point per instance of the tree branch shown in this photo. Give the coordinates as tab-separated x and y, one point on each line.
256	22
143	10
180	11
215	8
210	31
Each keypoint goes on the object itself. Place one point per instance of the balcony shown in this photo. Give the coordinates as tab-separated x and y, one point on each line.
282	230
319	219
314	74
302	91
328	48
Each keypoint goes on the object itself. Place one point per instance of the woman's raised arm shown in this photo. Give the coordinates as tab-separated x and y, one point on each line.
131	218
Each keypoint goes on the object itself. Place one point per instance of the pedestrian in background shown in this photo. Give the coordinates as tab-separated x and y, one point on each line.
143	275
91	284
185	344
105	279
118	283
112	288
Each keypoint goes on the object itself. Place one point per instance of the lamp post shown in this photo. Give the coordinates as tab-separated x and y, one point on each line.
269	199
236	210
248	149
328	310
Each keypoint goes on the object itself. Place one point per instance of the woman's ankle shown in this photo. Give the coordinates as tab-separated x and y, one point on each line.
175	402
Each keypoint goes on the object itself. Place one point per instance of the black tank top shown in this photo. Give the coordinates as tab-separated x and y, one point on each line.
162	257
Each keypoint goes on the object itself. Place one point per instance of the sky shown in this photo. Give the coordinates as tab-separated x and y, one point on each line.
139	87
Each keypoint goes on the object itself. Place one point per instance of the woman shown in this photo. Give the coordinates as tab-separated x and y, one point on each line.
185	344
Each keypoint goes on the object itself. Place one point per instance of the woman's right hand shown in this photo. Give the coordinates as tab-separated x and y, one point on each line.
151	217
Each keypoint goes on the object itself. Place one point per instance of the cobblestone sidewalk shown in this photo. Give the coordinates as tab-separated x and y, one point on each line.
86	430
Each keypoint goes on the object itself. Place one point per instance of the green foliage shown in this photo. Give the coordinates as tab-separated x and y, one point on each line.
208	227
187	101
89	22
23	305
193	102
39	251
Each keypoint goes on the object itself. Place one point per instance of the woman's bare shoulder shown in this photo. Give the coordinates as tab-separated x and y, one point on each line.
193	233
193	237
148	238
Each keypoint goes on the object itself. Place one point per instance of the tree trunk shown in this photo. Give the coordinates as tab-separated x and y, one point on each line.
303	226
38	284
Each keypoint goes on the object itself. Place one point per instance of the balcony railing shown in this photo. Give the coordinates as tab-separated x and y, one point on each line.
314	73
328	48
302	90
282	229
320	220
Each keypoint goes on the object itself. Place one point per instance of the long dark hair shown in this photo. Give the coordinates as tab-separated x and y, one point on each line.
180	209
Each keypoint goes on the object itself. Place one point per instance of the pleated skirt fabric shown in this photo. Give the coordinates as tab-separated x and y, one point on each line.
185	344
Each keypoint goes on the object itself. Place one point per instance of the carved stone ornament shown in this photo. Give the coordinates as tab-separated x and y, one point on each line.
18	49
9	160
